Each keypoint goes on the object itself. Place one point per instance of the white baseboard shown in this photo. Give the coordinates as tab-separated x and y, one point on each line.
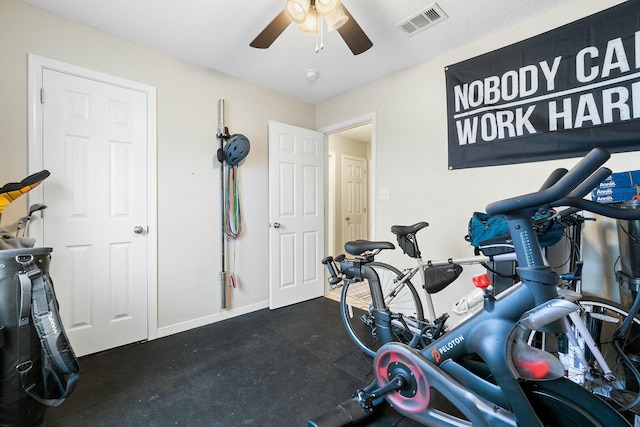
207	320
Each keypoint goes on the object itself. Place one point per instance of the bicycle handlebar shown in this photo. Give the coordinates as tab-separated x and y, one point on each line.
553	178
567	190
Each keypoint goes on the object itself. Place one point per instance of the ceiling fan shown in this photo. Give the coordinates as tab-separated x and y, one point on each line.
309	14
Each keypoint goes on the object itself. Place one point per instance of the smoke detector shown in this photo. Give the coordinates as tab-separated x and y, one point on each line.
424	19
311	75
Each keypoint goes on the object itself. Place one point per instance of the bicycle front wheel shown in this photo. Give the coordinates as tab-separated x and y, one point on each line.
601	318
356	308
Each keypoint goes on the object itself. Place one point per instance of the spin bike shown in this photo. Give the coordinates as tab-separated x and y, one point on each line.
484	367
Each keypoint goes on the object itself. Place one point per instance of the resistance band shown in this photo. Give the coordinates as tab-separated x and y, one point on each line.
233	219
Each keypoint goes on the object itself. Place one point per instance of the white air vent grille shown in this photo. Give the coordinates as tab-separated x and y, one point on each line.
423	20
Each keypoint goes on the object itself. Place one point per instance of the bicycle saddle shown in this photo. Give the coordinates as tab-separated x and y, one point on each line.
358	247
403	230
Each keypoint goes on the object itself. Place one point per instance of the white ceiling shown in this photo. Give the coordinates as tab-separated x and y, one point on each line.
216	34
358	133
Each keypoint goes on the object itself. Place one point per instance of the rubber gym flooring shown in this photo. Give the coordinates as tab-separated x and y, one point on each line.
267	368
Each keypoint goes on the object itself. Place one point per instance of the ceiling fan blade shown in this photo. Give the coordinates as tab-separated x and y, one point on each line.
271	32
353	35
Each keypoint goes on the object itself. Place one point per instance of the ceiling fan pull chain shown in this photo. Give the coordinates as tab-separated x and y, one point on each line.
320	35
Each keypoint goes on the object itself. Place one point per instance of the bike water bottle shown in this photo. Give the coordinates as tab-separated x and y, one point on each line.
472	302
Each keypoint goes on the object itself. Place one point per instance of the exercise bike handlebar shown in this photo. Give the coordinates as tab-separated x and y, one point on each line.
553	178
601	209
590	183
564	186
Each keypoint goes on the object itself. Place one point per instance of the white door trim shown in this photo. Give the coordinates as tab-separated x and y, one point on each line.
348	124
330	203
36	162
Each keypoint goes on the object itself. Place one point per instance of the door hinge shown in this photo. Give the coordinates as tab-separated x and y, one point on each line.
41	95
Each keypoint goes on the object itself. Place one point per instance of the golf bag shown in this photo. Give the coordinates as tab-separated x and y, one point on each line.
38	366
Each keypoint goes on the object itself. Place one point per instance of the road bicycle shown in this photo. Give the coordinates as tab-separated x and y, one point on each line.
484	367
399	293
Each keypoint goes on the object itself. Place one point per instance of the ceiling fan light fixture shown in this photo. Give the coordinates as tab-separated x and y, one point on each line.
296	10
336	19
312	23
325	7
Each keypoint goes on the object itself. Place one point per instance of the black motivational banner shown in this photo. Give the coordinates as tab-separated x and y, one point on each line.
555	95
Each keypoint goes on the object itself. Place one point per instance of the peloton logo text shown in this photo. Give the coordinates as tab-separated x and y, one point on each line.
437	353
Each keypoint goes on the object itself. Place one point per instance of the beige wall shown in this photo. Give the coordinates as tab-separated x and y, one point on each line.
411	157
188	193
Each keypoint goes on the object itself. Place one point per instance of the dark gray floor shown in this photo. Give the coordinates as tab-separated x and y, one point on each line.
268	368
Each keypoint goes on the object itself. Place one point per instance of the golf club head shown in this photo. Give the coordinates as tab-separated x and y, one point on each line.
36	207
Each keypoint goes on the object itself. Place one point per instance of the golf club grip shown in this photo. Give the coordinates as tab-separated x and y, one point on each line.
346	413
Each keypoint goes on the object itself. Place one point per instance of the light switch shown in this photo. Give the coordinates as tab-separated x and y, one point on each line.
383	194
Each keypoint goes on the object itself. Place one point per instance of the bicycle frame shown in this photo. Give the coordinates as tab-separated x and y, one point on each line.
409	273
589	342
420	329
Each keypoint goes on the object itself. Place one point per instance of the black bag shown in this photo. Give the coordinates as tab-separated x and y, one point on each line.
408	245
438	277
39	368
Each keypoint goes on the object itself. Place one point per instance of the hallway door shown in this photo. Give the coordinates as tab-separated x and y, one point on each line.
354	199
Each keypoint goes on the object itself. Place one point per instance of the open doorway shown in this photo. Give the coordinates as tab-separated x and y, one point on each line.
349	165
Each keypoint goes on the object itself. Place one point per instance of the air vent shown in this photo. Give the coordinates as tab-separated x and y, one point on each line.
423	20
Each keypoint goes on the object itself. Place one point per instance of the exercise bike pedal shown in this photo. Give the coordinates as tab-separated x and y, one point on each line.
349	411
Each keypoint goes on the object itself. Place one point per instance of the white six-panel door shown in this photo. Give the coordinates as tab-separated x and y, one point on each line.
296	214
354	199
94	143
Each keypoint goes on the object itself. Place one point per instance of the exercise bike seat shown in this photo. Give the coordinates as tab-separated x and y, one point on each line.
403	230
358	247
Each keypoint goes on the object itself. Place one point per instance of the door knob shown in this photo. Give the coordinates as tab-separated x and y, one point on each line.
276	225
348	218
138	229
